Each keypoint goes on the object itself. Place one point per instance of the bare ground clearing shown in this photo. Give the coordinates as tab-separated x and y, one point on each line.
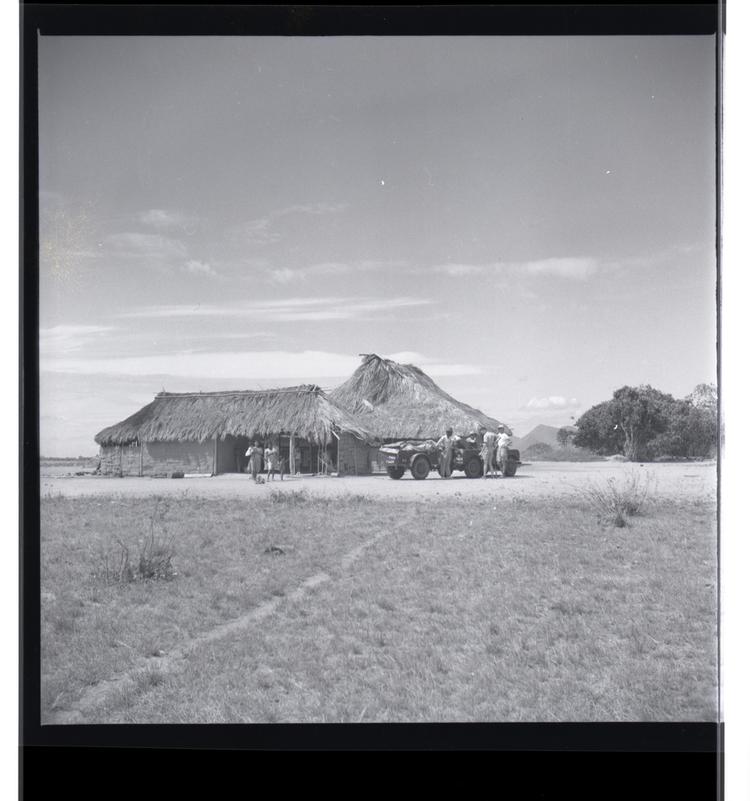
537	480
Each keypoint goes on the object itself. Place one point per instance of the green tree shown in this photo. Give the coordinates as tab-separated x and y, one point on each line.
644	423
565	435
705	396
642	413
626	424
694	424
598	430
538	450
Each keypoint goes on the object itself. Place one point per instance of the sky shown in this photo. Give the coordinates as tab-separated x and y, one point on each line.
530	220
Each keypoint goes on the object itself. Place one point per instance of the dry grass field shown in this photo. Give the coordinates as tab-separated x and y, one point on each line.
292	606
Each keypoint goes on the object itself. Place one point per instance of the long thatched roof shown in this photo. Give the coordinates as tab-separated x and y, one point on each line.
305	411
399	401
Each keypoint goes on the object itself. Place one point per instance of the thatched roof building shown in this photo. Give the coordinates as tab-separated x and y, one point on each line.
399	401
304	411
210	431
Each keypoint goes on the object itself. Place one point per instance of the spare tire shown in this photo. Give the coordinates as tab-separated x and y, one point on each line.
510	468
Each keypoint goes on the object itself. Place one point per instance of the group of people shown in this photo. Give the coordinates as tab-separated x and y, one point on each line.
269	456
270	461
493	450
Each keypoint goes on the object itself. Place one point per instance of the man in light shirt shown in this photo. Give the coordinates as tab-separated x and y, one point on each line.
503	443
445	444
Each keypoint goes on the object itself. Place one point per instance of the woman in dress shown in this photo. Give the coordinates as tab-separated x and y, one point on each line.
489	442
256	455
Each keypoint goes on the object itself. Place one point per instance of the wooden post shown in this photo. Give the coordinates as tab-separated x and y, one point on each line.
216	453
338	455
292	460
140	458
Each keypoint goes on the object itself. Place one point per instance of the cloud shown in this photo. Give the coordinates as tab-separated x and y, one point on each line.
154	247
196	267
61	339
286	275
552	402
241	365
461	269
286	310
241	335
258	232
433	366
576	269
261	231
406	357
311	208
164	219
283	275
569	268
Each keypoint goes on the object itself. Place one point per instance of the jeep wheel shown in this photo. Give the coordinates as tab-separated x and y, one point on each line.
420	467
395	472
474	467
510	469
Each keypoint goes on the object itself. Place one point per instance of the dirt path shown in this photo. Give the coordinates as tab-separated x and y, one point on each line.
96	695
541	479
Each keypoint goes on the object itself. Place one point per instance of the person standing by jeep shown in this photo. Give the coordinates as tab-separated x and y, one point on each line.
445	445
489	444
503	444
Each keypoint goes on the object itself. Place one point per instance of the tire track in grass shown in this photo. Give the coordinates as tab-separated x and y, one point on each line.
97	694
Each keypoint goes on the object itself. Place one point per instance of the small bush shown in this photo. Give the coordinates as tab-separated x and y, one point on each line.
148	558
541	452
290	498
617	500
149	678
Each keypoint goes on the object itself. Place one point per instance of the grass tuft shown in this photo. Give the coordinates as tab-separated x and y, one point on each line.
149	678
615	501
149	558
291	497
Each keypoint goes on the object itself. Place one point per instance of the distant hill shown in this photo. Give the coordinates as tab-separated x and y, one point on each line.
546	435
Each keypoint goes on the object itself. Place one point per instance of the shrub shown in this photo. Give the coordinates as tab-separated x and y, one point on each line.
616	500
539	450
148	558
290	498
567	454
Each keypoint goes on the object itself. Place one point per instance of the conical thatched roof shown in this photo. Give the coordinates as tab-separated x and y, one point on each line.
399	401
305	411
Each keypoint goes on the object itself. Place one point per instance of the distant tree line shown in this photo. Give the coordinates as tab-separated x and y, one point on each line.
644	424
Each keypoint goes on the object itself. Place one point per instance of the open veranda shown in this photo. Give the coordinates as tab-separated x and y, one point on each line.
364	599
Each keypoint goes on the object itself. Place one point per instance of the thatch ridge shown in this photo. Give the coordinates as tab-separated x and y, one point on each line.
305	411
400	401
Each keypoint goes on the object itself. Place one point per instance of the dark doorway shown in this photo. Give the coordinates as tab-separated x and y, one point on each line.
231	455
